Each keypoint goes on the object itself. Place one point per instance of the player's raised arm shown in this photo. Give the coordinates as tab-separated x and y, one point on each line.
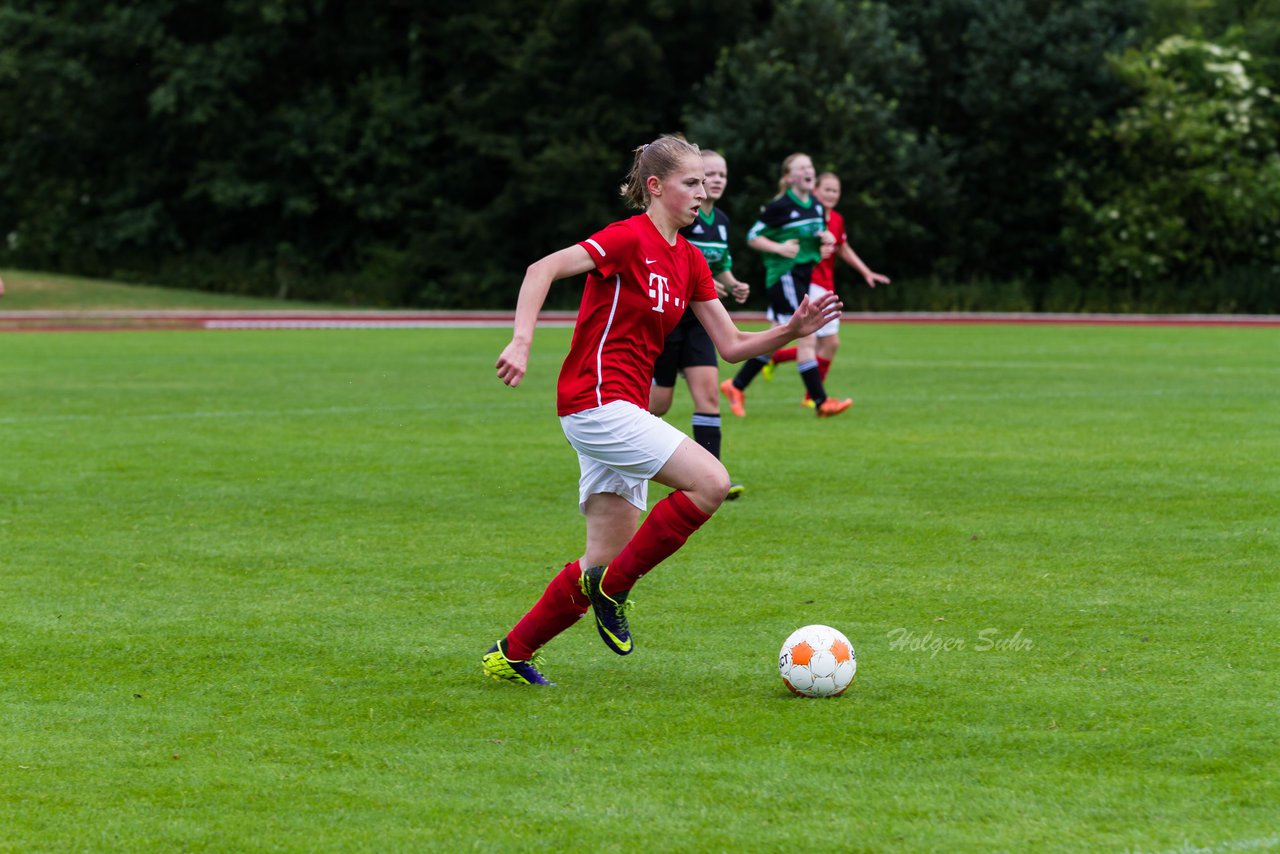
735	345
570	261
871	277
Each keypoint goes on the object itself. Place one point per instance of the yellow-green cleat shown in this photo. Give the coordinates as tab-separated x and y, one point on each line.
496	665
610	613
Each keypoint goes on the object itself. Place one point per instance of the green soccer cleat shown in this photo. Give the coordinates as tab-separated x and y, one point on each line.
735	492
496	665
611	617
767	371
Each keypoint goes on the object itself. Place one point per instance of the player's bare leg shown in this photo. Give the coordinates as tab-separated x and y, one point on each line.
705	391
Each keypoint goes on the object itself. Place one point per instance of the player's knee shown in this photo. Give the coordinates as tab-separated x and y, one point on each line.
717	484
708	402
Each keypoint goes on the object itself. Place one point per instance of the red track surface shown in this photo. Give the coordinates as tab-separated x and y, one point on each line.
109	321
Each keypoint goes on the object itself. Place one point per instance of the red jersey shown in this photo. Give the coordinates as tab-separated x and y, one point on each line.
634	297
824	272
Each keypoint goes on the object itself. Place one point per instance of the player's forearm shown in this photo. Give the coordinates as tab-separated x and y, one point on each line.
851	258
533	293
570	261
747	345
764	244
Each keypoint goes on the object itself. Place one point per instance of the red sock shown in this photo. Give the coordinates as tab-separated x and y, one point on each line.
665	530
824	365
786	354
559	608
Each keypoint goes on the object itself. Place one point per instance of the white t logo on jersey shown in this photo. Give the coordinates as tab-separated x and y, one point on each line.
658	291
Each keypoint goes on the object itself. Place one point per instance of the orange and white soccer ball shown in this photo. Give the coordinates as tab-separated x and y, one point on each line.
817	661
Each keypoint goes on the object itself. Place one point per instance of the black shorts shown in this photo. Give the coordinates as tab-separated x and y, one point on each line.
688	346
792	287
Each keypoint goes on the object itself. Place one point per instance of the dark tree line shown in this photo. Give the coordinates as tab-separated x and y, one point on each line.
401	153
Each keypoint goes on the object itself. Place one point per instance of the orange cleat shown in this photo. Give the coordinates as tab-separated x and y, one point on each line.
737	400
831	407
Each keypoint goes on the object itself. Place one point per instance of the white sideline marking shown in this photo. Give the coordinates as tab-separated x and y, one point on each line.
142	320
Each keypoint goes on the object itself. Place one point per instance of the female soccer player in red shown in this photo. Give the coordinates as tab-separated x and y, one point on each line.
641	277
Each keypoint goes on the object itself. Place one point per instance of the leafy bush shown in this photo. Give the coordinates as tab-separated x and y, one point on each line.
1186	184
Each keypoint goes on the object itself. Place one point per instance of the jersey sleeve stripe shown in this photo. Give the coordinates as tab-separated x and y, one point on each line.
597	246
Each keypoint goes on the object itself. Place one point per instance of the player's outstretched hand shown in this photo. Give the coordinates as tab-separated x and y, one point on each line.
812	315
513	362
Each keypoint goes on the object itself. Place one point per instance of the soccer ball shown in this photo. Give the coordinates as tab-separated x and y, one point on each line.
817	661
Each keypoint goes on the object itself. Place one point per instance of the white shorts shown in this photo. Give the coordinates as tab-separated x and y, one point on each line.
815	291
833	326
620	448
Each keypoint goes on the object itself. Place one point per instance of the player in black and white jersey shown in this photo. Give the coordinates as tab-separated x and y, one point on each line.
689	349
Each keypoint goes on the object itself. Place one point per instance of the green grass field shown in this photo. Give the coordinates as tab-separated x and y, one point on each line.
246	579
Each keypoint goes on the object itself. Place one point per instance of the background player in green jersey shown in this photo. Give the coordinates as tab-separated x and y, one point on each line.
689	349
791	233
828	337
